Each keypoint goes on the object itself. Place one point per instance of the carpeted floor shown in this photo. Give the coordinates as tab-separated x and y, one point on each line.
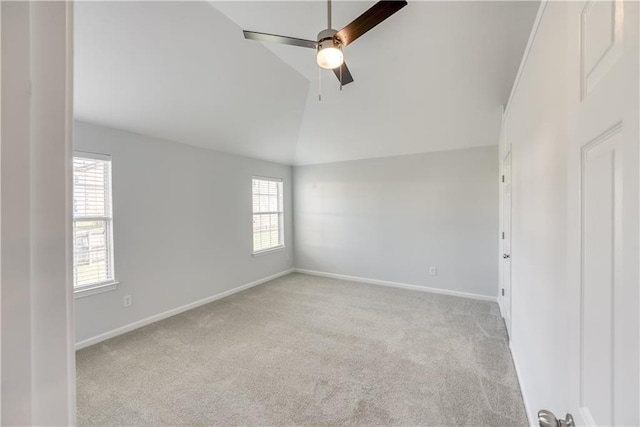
304	350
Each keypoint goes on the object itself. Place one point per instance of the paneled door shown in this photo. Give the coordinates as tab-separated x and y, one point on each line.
603	299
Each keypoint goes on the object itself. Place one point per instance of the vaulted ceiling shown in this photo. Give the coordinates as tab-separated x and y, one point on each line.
431	77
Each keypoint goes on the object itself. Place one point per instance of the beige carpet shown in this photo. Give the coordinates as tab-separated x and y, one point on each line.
303	350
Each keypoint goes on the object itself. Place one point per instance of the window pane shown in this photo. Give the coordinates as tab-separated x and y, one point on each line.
273	188
91	252
267	214
273	203
92	240
273	222
91	186
264	186
264	204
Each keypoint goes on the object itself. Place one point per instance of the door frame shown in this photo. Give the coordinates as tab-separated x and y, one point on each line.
504	151
48	27
504	235
68	117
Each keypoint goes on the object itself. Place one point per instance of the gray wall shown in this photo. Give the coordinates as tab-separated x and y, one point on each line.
392	218
182	226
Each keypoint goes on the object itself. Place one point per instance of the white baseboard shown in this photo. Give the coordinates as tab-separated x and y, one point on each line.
398	285
144	322
524	396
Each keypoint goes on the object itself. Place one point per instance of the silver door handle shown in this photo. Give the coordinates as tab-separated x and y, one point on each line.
547	419
505	256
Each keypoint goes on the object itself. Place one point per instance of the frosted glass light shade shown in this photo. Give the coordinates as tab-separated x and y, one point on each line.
330	58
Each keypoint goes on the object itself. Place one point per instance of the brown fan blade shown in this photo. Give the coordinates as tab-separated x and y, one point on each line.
273	38
372	17
346	74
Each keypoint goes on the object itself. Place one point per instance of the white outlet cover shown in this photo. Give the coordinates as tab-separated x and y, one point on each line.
127	300
433	271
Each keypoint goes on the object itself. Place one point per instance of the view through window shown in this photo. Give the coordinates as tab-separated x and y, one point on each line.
92	221
268	214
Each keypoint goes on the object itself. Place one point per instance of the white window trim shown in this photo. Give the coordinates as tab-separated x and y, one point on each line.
281	247
95	156
94	289
270	250
266	178
107	285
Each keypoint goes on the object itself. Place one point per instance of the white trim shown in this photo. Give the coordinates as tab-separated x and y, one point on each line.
1	222
522	389
169	313
97	288
68	118
94	156
270	250
266	178
398	285
500	302
269	213
525	56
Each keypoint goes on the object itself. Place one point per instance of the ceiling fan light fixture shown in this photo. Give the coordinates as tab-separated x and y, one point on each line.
330	58
329	50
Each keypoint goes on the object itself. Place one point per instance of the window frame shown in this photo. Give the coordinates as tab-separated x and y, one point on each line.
111	283
280	213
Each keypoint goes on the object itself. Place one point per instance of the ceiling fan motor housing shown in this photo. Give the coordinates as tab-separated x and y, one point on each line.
326	39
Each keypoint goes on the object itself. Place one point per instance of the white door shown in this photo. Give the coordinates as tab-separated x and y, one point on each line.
603	299
505	293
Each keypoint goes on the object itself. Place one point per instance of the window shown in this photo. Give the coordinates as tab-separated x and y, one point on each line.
92	221
268	221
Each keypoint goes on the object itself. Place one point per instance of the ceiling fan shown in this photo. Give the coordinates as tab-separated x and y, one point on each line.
330	42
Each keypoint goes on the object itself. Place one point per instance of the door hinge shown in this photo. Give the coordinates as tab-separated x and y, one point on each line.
502	291
503	235
502	178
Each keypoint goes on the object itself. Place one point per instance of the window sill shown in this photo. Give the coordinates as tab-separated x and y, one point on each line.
95	289
269	251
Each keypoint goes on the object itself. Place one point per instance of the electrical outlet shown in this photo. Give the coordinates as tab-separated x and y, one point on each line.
433	271
127	300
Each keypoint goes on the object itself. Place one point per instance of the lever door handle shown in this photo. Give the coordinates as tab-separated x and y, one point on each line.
547	419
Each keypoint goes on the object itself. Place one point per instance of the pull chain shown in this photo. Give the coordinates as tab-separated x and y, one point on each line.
319	85
341	66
